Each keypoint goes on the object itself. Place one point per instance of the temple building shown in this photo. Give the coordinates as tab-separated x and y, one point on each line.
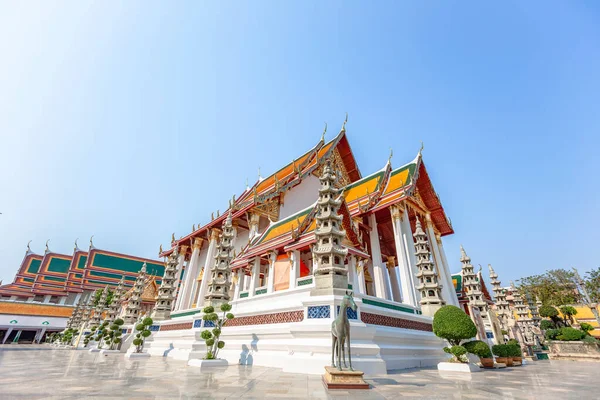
294	242
47	287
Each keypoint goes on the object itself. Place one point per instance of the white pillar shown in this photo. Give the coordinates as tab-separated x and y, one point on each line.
360	276
451	299
437	259
378	269
409	248
77	298
8	332
255	278
294	268
271	276
62	300
207	269
239	284
394	287
404	266
47	298
179	289
352	278
190	276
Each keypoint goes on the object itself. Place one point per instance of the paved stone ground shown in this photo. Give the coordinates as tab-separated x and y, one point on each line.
40	372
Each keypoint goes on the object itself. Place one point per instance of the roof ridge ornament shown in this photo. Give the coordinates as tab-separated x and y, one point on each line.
91	242
344	124
160	250
324	132
391	155
47	248
29	248
76	247
421	149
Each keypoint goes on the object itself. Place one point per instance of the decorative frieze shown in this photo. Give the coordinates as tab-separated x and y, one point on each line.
394	322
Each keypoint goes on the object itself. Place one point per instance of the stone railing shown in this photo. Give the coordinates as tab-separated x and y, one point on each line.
574	350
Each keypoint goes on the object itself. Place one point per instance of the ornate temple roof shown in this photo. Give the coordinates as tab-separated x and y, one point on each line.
148	295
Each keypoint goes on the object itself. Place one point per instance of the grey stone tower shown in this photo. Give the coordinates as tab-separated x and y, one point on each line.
134	302
85	313
166	292
328	251
472	285
502	306
220	280
97	317
428	285
115	307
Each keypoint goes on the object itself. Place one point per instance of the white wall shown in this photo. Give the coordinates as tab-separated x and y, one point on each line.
32	322
300	197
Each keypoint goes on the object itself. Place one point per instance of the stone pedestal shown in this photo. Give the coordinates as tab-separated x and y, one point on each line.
208	364
329	284
336	379
136	355
458	367
105	352
95	350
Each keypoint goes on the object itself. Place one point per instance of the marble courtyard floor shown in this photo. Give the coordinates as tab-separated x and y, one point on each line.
40	372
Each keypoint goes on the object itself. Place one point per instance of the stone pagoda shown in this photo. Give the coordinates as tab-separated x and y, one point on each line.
166	292
328	252
220	280
115	306
132	310
521	308
97	317
85	313
472	286
502	306
533	309
428	286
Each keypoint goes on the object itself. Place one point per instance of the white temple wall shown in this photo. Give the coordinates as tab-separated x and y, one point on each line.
241	240
300	197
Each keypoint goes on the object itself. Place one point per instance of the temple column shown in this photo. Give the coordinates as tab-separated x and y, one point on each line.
378	270
240	283
409	249
271	276
294	268
190	276
352	278
404	265
360	276
452	298
8	332
255	277
47	298
62	300
394	287
437	259
208	263
180	262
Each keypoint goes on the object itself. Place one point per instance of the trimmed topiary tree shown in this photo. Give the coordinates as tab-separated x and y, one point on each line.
479	348
552	313
586	327
454	325
113	334
142	332
547	324
569	334
101	333
568	312
211	338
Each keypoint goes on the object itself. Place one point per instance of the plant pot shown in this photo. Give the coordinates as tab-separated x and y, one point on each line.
487	362
509	362
517	360
502	360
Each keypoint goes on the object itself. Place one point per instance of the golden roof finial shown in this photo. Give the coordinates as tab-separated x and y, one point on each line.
344	124
160	250
421	149
193	227
212	216
324	132
172	237
391	155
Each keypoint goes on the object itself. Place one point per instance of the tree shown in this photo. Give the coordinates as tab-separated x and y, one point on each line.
451	323
552	313
142	332
98	294
568	312
213	344
585	327
592	284
113	334
556	287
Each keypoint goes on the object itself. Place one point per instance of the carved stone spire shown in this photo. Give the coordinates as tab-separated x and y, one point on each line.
328	251
533	309
472	285
220	280
502	306
85	313
166	292
115	306
431	290
134	303
97	317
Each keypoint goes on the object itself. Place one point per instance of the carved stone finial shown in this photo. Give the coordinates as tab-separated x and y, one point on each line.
76	247
172	237
217	213
193	227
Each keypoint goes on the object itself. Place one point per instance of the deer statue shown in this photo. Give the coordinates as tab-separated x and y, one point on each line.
340	334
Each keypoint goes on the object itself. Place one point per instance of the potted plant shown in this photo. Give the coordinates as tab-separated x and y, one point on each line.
514	352
501	353
481	350
454	325
212	337
143	331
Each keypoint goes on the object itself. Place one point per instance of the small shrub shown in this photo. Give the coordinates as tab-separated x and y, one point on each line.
586	327
547	324
551	334
590	339
514	350
458	352
569	334
213	344
548	311
500	350
453	324
479	348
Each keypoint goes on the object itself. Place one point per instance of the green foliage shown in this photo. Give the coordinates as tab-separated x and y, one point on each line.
504	332
479	348
500	350
210	342
590	339
553	287
225	307
592	284
548	312
119	321
586	327
206	335
568	312
453	324
117	340
98	295
213	344
569	334
513	341
229	316
458	352
139	327
208	310
137	341
514	350
220	344
146	333
147	321
216	332
547	324
551	334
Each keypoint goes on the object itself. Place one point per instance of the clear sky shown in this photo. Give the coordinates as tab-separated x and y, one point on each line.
132	120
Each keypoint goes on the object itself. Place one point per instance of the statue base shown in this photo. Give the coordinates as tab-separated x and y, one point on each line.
330	284
336	379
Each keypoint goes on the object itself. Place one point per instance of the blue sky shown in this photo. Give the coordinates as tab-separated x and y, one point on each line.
133	120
